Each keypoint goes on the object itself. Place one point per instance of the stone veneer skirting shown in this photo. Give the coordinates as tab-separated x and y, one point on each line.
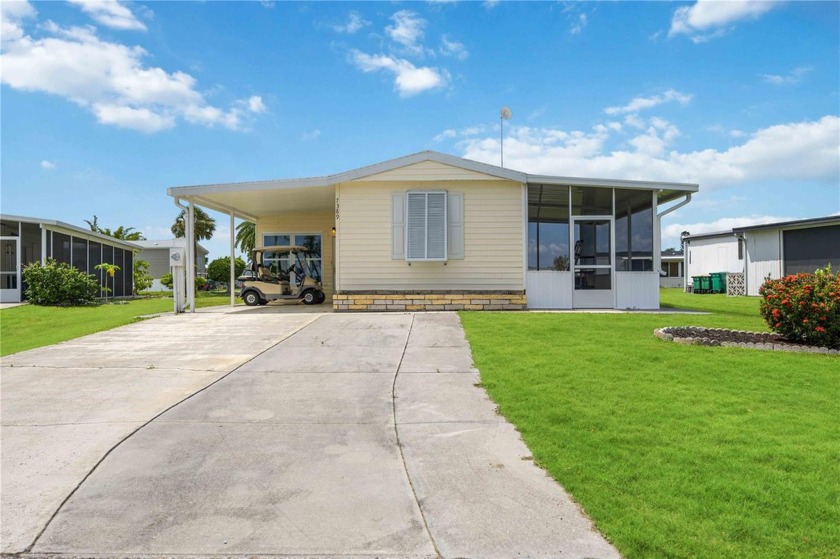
430	301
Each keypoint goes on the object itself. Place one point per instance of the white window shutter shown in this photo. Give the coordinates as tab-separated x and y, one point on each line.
436	226
416	226
397	225
456	225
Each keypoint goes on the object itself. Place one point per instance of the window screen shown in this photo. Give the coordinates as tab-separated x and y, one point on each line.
80	254
61	247
807	250
426	226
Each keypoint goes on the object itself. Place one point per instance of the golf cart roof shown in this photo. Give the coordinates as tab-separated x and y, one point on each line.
281	249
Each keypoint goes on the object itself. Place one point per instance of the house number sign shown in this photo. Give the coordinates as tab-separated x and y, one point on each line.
337	208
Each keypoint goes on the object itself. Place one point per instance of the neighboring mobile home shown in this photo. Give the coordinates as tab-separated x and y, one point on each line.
431	231
759	251
24	240
156	253
673	270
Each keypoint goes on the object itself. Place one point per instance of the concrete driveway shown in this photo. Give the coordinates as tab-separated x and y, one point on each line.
332	435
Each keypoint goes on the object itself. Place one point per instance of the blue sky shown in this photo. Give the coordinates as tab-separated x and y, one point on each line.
104	104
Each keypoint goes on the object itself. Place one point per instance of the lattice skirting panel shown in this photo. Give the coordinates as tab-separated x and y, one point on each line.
735	285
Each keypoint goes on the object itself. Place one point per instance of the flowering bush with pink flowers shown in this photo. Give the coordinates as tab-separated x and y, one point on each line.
804	307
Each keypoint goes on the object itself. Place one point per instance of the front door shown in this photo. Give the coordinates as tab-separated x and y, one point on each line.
9	270
593	263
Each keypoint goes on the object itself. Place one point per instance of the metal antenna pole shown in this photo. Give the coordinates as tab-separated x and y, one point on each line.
502	140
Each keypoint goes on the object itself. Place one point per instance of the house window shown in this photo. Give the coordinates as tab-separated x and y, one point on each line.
740	249
426	224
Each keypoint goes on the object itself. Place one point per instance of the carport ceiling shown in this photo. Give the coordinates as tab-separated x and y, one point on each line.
262	203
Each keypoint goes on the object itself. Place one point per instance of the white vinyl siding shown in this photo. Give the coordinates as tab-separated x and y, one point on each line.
426	224
492	243
397	225
455	234
425	171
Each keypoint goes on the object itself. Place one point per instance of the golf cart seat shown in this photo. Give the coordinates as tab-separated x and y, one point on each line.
265	274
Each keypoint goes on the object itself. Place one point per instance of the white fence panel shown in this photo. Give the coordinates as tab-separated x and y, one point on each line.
637	290
547	289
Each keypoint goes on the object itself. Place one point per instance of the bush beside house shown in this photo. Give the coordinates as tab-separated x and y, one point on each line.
804	307
58	283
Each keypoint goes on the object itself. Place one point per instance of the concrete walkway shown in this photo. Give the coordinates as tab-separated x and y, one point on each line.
335	435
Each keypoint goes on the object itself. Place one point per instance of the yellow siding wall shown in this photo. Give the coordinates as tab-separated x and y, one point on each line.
428	171
492	239
305	222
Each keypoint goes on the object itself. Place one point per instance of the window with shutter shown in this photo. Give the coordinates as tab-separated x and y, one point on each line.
426	226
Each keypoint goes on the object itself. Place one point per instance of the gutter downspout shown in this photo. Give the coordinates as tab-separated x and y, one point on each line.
685	245
676	207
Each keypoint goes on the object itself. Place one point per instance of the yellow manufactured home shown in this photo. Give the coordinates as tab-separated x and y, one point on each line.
431	231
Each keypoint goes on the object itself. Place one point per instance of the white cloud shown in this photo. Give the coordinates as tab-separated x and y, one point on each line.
311	135
674	230
407	31
354	23
710	19
110	13
643	103
578	26
447	134
255	104
793	151
408	79
109	79
793	77
453	48
47	164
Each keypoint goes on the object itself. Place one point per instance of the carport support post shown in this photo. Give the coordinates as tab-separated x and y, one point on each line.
232	283
190	226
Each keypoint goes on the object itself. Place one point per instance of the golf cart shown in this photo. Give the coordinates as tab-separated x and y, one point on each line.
302	280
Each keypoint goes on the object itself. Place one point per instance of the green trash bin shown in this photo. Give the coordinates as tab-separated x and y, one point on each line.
695	284
718	282
705	284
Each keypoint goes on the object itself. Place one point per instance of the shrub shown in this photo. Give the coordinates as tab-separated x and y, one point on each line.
219	269
166	280
142	279
57	283
804	307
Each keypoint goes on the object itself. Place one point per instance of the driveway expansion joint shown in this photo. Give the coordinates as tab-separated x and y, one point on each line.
399	444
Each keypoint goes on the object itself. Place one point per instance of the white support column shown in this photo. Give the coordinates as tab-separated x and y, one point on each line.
190	235
232	283
43	245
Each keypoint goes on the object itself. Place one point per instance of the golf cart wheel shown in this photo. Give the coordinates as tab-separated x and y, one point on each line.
321	297
251	298
309	298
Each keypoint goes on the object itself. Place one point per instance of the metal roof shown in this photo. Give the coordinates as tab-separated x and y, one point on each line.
796	224
200	193
73	228
167	244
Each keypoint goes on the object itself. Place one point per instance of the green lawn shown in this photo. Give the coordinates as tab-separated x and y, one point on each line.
674	451
30	326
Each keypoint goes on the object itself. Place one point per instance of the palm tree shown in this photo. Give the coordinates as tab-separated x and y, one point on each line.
94	225
125	233
110	270
204	225
246	237
121	232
